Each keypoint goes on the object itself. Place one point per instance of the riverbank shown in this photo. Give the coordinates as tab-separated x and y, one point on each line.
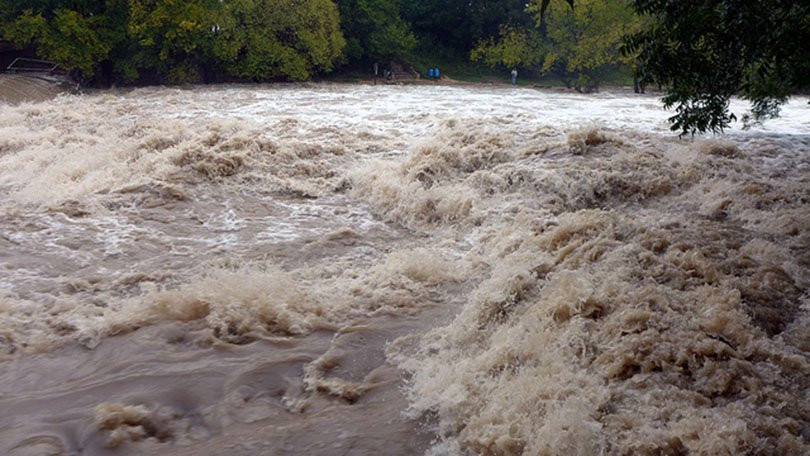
462	72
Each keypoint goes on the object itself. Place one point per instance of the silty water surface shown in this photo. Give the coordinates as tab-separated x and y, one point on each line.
220	269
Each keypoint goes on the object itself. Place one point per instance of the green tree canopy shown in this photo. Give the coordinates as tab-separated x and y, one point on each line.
289	39
456	26
706	51
514	47
576	44
179	40
172	36
76	35
374	30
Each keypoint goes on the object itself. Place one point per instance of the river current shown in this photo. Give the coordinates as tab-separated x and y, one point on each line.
326	269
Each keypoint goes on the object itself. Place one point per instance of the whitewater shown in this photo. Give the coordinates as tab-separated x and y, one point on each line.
323	269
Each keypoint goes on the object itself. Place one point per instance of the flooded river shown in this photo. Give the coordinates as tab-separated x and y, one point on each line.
365	270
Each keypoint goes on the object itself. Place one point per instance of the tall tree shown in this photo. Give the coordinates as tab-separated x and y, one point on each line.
577	45
173	36
272	39
180	40
256	39
374	30
78	35
455	26
706	51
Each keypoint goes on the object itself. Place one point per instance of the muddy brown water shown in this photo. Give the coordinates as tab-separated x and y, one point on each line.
20	88
328	269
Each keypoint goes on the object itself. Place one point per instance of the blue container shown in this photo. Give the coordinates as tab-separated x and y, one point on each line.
430	73
437	72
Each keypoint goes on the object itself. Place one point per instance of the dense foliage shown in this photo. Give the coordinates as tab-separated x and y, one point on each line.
190	40
77	34
172	36
705	51
578	45
180	40
375	30
453	27
256	41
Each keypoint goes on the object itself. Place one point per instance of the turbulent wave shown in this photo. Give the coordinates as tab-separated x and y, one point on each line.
236	305
609	291
74	155
641	296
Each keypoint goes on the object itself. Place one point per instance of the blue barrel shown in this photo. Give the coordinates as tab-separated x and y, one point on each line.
437	72
430	72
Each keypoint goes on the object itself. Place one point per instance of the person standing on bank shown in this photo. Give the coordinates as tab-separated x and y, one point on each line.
514	76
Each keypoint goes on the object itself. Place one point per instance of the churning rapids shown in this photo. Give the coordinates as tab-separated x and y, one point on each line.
360	270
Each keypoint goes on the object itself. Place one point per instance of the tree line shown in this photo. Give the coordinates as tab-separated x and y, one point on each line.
701	52
202	40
